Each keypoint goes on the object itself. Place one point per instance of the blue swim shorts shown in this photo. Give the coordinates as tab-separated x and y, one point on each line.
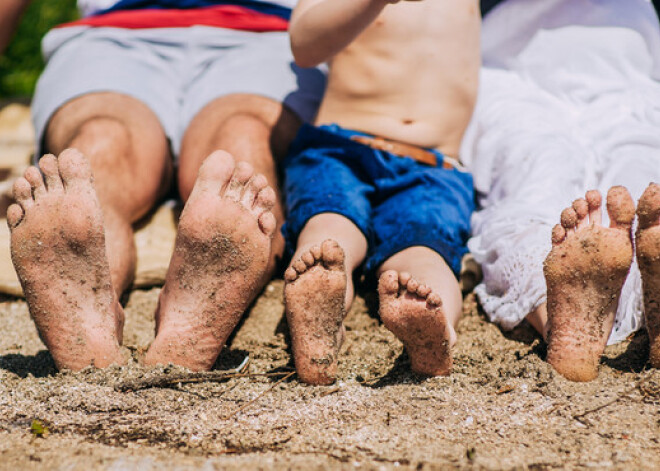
395	201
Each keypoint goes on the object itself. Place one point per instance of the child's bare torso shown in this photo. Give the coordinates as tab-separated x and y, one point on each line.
410	76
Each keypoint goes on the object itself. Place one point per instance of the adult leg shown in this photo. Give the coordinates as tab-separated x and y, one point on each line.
58	250
319	291
421	303
120	138
526	169
648	256
585	272
254	129
209	286
130	161
220	257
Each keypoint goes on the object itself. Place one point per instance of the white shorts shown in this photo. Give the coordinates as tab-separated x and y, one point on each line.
174	71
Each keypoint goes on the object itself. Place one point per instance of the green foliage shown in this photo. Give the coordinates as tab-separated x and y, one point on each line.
21	64
39	429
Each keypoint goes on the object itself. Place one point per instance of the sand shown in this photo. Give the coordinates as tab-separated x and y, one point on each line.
502	408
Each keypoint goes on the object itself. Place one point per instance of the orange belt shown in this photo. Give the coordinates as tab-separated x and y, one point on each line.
401	149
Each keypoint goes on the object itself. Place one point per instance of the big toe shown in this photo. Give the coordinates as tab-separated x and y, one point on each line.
648	209
74	167
215	172
620	207
332	255
388	283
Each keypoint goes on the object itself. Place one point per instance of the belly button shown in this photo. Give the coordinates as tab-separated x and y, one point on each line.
408	121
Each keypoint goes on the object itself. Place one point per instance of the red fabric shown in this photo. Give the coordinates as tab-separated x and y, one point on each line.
221	16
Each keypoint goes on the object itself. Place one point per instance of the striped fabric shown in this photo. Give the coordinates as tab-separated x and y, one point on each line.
245	15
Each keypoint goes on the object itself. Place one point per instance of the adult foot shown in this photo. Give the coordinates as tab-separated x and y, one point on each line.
315	302
58	250
415	315
585	272
220	263
648	257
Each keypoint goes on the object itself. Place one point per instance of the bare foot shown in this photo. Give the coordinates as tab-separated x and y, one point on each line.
220	263
648	257
315	301
58	249
585	272
415	315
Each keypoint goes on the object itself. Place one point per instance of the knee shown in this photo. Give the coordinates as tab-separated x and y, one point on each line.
100	132
93	136
251	118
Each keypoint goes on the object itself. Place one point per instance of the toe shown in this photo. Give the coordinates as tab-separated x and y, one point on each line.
252	188
332	255
594	202
569	219
299	266
620	207
388	283
51	171
404	278
23	193
290	275
265	200
308	258
267	223
214	173
423	290
434	299
648	209
412	286
73	167
581	209
33	176
316	252
558	234
242	174
14	215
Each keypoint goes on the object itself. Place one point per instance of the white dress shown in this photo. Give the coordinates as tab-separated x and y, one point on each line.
569	101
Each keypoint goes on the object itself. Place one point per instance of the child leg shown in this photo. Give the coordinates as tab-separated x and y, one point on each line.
421	303
318	292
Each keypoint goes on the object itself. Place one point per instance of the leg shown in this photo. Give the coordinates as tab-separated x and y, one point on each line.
648	257
421	309
319	291
251	128
58	249
245	126
130	162
522	185
585	272
222	250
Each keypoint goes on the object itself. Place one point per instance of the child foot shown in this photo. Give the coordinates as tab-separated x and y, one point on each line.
415	315
315	300
648	257
58	250
220	263
585	272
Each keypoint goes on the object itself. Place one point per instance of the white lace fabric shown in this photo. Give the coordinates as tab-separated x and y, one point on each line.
568	102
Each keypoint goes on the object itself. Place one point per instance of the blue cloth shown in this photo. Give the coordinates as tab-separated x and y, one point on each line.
395	201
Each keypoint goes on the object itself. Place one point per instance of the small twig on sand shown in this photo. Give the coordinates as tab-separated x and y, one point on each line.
638	385
168	380
327	392
186	378
368	381
251	401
